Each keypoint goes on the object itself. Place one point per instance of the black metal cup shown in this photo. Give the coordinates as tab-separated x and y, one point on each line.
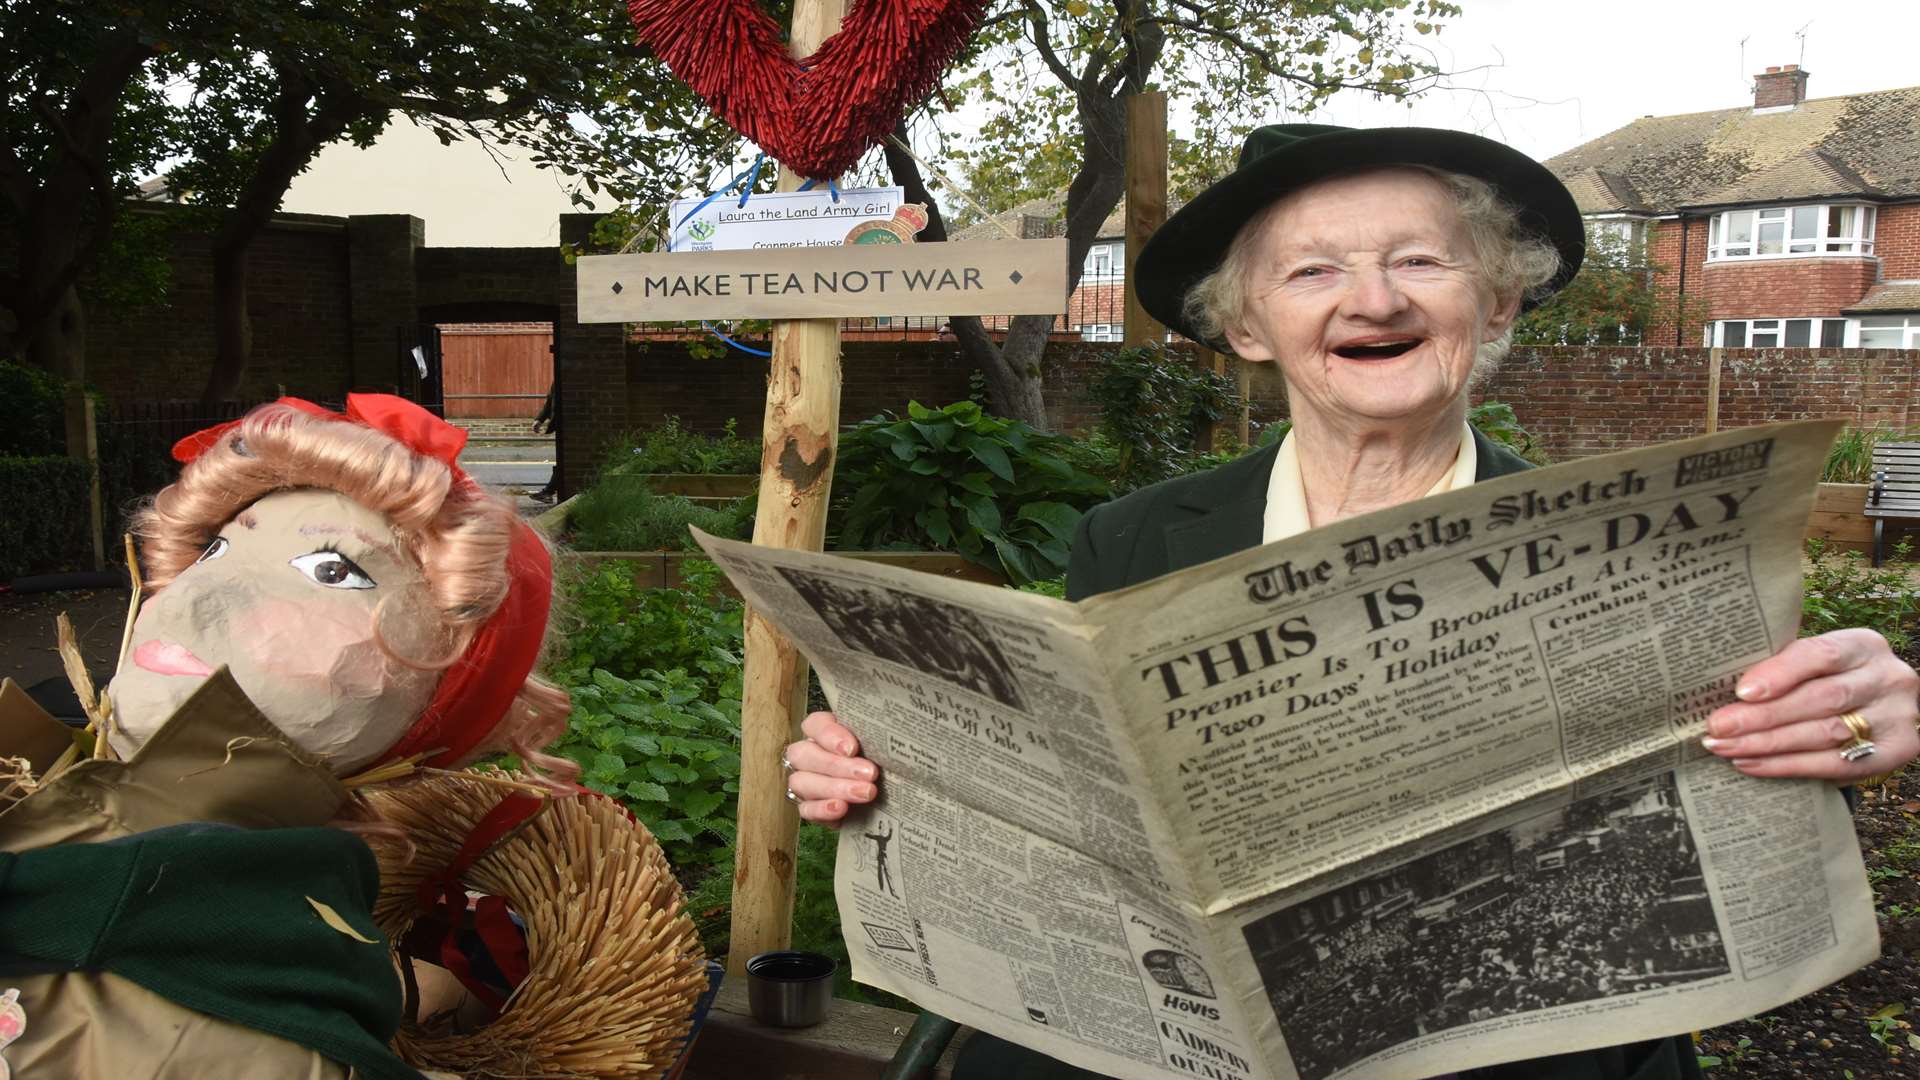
790	989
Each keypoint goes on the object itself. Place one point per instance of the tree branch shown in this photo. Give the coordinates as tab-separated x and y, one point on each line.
1268	59
1037	25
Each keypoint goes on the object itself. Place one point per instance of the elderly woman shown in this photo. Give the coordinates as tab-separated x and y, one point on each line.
1382	270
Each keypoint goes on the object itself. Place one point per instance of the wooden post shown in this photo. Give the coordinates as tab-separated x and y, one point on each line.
1713	390
800	436
83	445
1243	380
1146	200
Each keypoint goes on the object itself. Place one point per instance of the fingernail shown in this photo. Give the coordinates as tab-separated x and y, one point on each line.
864	772
1742	763
1714	744
864	791
1750	691
846	748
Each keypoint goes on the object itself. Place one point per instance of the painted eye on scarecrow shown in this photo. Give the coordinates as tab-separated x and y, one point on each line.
214	550
332	569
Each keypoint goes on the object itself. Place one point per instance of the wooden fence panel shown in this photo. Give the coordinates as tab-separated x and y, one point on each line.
495	373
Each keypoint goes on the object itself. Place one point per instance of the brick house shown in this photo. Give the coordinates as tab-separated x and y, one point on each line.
1097	309
1790	223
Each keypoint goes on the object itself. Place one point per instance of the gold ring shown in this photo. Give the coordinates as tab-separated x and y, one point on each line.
1862	731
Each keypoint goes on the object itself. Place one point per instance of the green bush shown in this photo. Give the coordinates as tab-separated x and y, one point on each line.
619	513
956	479
32	413
47	501
1153	408
1843	591
670	448
1496	421
655	679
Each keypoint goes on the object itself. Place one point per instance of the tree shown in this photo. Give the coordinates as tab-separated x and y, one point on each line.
1056	74
269	83
82	117
558	79
1611	301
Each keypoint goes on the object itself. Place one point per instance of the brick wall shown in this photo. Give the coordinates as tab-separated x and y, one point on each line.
1593	401
664	380
296	301
1896	240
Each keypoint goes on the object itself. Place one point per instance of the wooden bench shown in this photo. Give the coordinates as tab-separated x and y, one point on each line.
1895	492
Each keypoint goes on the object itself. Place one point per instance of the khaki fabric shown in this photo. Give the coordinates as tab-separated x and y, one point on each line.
215	760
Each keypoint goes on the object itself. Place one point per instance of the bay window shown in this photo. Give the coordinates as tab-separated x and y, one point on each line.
1786	232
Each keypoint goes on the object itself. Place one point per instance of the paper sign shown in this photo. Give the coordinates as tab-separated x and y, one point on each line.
786	219
1000	277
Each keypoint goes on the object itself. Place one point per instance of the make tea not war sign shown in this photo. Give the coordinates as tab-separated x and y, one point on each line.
1001	277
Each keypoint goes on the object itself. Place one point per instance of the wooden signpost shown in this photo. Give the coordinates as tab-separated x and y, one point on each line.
808	290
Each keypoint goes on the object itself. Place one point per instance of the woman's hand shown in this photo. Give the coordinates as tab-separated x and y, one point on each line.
1788	721
827	773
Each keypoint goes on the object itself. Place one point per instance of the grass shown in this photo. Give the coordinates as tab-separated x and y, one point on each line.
620	514
1850	461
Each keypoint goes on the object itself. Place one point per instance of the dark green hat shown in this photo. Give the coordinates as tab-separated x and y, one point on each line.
1281	158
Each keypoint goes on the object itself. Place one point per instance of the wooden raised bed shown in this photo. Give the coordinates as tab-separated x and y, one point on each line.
661	569
702	487
1839	517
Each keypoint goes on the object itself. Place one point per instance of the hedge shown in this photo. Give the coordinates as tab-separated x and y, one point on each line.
47	502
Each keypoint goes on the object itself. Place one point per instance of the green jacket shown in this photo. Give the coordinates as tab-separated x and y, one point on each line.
1194	519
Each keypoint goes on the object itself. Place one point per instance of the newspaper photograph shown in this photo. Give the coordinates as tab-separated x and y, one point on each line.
1415	792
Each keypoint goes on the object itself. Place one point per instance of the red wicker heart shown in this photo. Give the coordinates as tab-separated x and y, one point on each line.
818	115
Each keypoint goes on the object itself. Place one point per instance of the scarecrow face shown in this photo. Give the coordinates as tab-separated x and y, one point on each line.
1365	290
287	597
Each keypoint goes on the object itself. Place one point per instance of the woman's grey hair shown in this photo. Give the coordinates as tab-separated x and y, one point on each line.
1508	258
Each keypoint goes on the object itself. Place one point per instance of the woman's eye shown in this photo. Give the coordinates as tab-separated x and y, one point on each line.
214	550
332	569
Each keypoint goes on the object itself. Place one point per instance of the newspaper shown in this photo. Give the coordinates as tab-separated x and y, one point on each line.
1415	792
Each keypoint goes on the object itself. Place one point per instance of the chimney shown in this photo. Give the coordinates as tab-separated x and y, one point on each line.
1035	227
1779	87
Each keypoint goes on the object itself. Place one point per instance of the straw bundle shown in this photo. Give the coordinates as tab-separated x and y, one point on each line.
614	965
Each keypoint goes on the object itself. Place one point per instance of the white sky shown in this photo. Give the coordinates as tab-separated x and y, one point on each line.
1547	75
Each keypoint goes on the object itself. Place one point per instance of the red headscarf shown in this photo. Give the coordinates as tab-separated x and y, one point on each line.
476	692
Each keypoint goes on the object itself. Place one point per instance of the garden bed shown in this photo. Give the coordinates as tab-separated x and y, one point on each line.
1839	517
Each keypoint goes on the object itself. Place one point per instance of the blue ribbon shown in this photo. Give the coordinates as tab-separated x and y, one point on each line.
743	348
832	188
750	175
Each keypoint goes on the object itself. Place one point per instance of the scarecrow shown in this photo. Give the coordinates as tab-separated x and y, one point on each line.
340	619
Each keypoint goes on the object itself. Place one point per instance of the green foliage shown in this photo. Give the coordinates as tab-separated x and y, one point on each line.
1843	591
1496	421
619	513
1887	1028
1850	458
1054	587
46	500
670	448
655	679
956	479
1153	409
1049	81
1611	301
32	412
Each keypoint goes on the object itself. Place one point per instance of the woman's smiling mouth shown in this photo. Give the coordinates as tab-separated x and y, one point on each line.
167	658
1377	348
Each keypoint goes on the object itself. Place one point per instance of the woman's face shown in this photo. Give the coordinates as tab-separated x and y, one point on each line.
285	598
1364	290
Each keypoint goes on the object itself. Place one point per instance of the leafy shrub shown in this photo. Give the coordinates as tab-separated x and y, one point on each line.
1843	591
669	448
619	513
1496	421
1153	408
956	479
32	412
47	519
655	679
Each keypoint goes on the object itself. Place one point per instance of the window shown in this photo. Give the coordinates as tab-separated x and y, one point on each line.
1626	233
1778	333
1105	262
1784	232
1101	332
1890	332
